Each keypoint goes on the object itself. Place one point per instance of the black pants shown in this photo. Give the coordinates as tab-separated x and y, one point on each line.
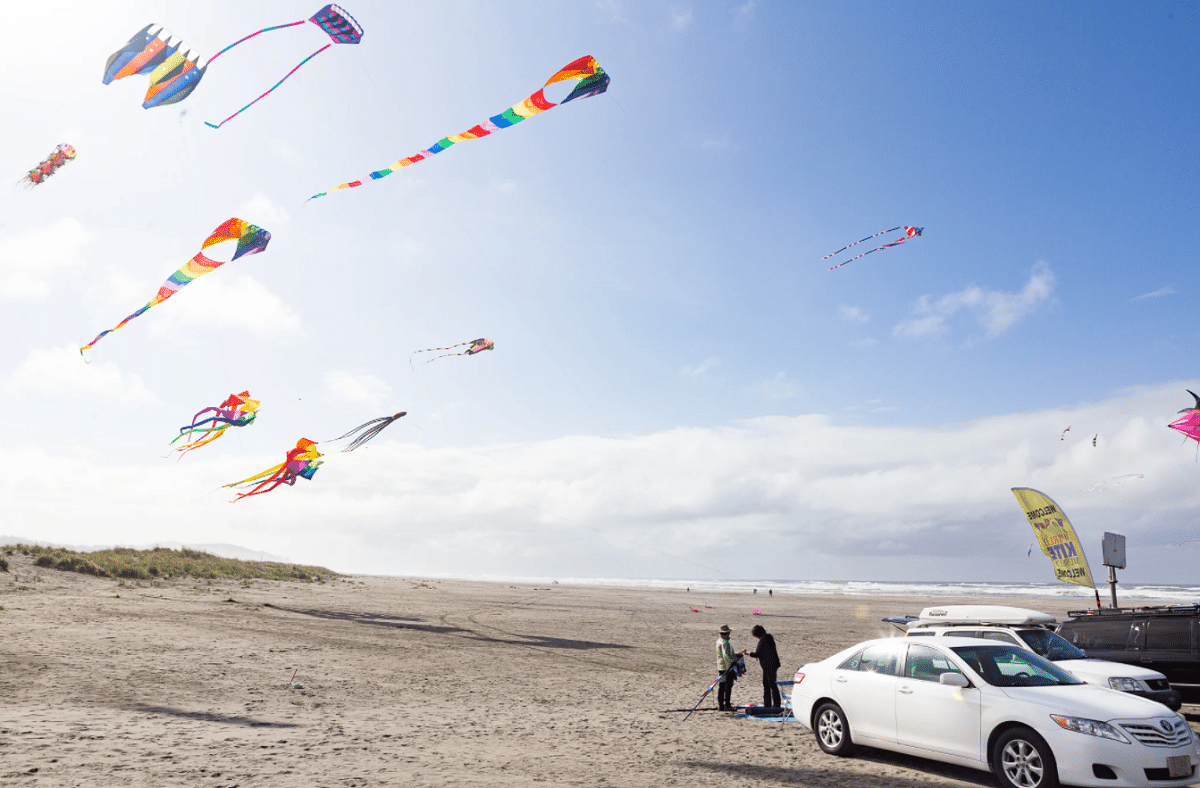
771	689
724	690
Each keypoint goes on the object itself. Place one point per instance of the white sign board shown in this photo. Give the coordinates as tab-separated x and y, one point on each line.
1114	550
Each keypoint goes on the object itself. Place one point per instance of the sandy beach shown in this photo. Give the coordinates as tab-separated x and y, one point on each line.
410	681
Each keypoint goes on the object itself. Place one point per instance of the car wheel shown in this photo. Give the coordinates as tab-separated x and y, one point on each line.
832	729
1022	759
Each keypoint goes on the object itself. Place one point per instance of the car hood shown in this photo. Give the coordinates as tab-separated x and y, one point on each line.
1106	669
1090	701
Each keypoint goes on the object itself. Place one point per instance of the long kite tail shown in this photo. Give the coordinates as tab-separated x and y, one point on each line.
264	95
252	35
856	243
372	428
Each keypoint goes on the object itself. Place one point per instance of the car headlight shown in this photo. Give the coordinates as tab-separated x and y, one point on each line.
1125	684
1090	727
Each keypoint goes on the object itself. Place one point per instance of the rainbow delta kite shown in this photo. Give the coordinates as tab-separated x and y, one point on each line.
61	155
250	240
238	410
590	81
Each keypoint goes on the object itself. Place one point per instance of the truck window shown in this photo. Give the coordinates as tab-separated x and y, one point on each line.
1099	635
1003	637
1169	637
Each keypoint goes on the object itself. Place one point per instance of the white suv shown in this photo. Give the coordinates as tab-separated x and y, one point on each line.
1034	631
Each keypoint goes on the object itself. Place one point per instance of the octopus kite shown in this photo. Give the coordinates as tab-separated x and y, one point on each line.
369	430
1189	423
61	155
302	463
473	347
250	240
238	410
590	80
909	232
174	68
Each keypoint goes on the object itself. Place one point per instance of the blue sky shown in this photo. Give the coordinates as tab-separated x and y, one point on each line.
680	387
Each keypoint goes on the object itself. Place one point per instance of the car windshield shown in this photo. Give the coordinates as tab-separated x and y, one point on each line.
1051	646
1009	666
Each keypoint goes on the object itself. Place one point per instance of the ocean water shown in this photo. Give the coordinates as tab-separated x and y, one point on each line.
1127	595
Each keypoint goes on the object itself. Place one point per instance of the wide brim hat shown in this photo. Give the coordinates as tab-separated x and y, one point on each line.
724	630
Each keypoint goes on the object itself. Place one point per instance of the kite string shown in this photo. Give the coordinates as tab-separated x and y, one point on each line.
264	95
252	35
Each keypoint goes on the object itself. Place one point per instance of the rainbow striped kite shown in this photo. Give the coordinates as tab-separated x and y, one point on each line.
590	81
250	240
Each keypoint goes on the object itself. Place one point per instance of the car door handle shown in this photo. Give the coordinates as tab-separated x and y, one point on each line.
841	679
905	690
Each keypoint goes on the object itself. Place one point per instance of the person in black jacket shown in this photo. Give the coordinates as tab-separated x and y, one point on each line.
768	660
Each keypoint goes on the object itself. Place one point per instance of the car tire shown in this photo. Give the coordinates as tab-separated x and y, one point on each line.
1022	759
832	729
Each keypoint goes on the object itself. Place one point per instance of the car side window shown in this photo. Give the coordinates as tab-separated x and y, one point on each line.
1003	637
962	633
881	658
927	664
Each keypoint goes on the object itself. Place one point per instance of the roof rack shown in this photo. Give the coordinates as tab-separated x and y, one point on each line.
1154	610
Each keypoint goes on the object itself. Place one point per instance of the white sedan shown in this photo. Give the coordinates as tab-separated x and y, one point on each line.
992	706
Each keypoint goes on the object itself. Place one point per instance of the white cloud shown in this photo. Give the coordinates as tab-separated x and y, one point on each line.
681	17
405	248
31	261
502	186
743	13
62	372
1159	293
237	301
776	388
798	496
853	313
262	211
613	11
287	153
704	366
995	310
865	343
357	388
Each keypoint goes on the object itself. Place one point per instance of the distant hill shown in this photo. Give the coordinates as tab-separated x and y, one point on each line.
222	550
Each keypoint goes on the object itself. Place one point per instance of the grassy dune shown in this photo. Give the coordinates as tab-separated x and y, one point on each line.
163	563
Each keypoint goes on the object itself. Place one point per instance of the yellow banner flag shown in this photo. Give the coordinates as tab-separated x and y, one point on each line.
1056	536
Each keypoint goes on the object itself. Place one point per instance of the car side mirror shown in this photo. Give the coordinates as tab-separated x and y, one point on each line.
954	680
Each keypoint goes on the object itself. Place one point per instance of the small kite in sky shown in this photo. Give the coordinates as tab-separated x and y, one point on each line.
174	69
250	240
238	410
909	232
1108	484
473	347
1063	437
1189	422
302	463
590	81
61	155
369	430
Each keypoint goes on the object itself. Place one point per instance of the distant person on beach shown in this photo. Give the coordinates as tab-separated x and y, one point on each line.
725	660
768	660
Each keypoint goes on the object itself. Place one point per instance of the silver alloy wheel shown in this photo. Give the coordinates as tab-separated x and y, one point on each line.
829	728
1022	764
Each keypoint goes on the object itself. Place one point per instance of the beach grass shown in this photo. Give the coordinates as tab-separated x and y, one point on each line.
160	563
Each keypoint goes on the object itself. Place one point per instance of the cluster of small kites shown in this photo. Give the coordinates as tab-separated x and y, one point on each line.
173	70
